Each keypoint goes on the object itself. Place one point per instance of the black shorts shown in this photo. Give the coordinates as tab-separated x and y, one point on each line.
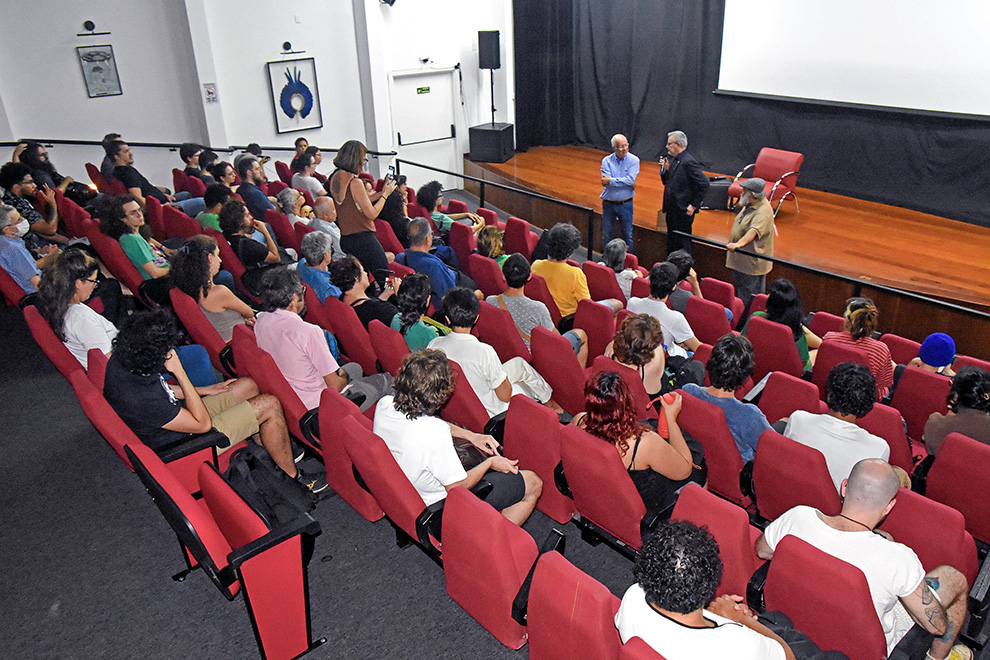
507	489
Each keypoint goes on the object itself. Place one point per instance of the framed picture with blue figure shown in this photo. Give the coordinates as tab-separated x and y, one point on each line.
295	95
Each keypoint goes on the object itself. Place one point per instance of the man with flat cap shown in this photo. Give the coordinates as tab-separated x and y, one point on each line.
752	230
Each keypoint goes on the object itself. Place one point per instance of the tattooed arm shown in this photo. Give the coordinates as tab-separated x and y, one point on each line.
925	607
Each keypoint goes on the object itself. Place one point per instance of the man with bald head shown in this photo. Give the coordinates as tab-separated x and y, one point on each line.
902	593
619	171
325	220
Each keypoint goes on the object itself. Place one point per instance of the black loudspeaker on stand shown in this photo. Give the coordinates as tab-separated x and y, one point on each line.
490	143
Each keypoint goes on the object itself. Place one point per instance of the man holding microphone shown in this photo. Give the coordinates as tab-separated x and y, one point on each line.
684	189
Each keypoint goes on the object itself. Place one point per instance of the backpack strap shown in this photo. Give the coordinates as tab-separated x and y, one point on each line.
501	303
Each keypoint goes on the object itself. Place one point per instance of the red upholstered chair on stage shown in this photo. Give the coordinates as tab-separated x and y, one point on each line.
486	558
284	172
601	282
831	354
787	473
637	649
353	338
203	333
725	295
773	348
598	321
823	322
920	393
519	237
902	350
779	169
487	274
886	422
464	407
390	346
571	614
50	344
532	436
706	422
496	328
386	236
554	359
536	288
960	478
463	241
783	394
707	319
729	524
334	407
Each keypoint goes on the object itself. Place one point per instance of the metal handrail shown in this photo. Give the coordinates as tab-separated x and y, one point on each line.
175	147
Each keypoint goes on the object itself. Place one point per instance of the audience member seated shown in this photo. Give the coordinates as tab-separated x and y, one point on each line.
395	211
349	276
568	285
527	313
214	198
304	167
238	225
325	220
849	392
969	410
638	344
107	165
490	244
224	173
301	144
121	218
659	464
207	159
900	588
194	269
684	263
728	368
678	337
357	210
290	202
314	152
423	444
493	381
935	355
430	197
159	414
35	156
301	350
862	318
784	307
190	154
672	606
249	169
313	267
422	259
614	256
140	188
413	300
20	264
20	188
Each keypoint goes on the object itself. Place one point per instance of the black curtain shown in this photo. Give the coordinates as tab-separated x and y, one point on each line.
646	67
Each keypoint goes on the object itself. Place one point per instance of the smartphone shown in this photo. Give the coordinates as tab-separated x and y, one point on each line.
391	173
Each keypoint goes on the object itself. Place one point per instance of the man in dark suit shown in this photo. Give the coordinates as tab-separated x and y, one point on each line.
684	189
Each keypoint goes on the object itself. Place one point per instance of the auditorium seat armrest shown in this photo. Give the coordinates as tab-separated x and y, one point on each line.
191	445
754	590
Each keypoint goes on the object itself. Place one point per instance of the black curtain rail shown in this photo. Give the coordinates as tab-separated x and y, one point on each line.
845	278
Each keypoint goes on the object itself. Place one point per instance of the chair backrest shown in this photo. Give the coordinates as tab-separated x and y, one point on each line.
536	288
598	321
960	478
275	187
300	229
706	422
284	233
724	294
178	224
759	303
199	328
772	164
390	346
554	359
284	172
920	393
351	334
707	319
496	328
334	407
456	206
823	322
155	217
417	211
602	489
11	290
316	313
384	478
96	367
936	532
519	237
967	361
387	238
787	473
571	614
102	416
886	422
601	282
485	560
490	217
179	180
729	524
773	348
113	257
641	400
52	346
834	609
239	523
464	407
637	649
195	186
640	288
97	178
487	274
532	436
463	242
400	270
902	349
231	263
830	354
783	394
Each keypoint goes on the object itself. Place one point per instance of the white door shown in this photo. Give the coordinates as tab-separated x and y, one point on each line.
423	106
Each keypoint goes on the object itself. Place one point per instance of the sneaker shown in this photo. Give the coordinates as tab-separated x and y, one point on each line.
316	484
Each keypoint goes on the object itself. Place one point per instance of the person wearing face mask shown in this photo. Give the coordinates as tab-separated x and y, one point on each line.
14	257
753	230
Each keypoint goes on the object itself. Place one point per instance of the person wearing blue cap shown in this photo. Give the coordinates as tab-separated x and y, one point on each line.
936	354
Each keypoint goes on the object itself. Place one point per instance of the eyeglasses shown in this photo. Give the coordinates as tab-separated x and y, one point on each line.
92	280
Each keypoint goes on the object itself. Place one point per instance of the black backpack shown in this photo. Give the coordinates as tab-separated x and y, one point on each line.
275	496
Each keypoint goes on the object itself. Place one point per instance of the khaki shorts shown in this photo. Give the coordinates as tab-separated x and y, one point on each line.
234	419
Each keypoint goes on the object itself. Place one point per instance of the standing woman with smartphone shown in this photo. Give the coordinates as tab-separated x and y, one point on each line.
357	210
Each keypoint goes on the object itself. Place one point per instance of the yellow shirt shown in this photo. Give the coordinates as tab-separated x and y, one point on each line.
567	284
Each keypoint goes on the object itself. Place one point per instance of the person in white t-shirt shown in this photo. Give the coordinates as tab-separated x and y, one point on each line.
899	586
850	392
672	607
423	446
678	337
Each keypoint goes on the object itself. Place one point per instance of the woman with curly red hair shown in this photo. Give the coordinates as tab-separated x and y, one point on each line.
658	466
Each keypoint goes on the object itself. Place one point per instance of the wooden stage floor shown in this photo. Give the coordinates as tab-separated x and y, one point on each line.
874	242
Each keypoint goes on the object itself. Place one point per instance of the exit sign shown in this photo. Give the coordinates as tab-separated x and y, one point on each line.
422	90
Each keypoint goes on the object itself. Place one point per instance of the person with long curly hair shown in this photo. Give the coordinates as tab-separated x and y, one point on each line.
413	300
658	466
862	319
969	410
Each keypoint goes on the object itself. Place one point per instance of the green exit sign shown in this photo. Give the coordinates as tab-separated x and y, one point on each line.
422	90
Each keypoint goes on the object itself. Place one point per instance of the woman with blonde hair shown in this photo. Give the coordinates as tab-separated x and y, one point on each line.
490	244
862	319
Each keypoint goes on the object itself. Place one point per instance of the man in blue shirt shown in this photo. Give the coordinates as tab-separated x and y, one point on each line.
418	257
619	172
14	257
316	250
249	169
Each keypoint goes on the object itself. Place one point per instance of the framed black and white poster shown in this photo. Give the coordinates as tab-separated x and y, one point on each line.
295	96
99	70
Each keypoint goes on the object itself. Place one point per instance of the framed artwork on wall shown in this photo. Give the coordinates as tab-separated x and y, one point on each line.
99	70
295	96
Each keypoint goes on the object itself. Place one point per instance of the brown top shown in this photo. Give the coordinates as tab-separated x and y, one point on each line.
350	218
969	422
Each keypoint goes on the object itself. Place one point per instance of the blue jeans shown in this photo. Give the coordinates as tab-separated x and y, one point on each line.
191	206
624	214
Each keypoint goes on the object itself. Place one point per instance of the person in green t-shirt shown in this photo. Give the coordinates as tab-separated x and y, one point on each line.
430	196
784	307
413	300
214	198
